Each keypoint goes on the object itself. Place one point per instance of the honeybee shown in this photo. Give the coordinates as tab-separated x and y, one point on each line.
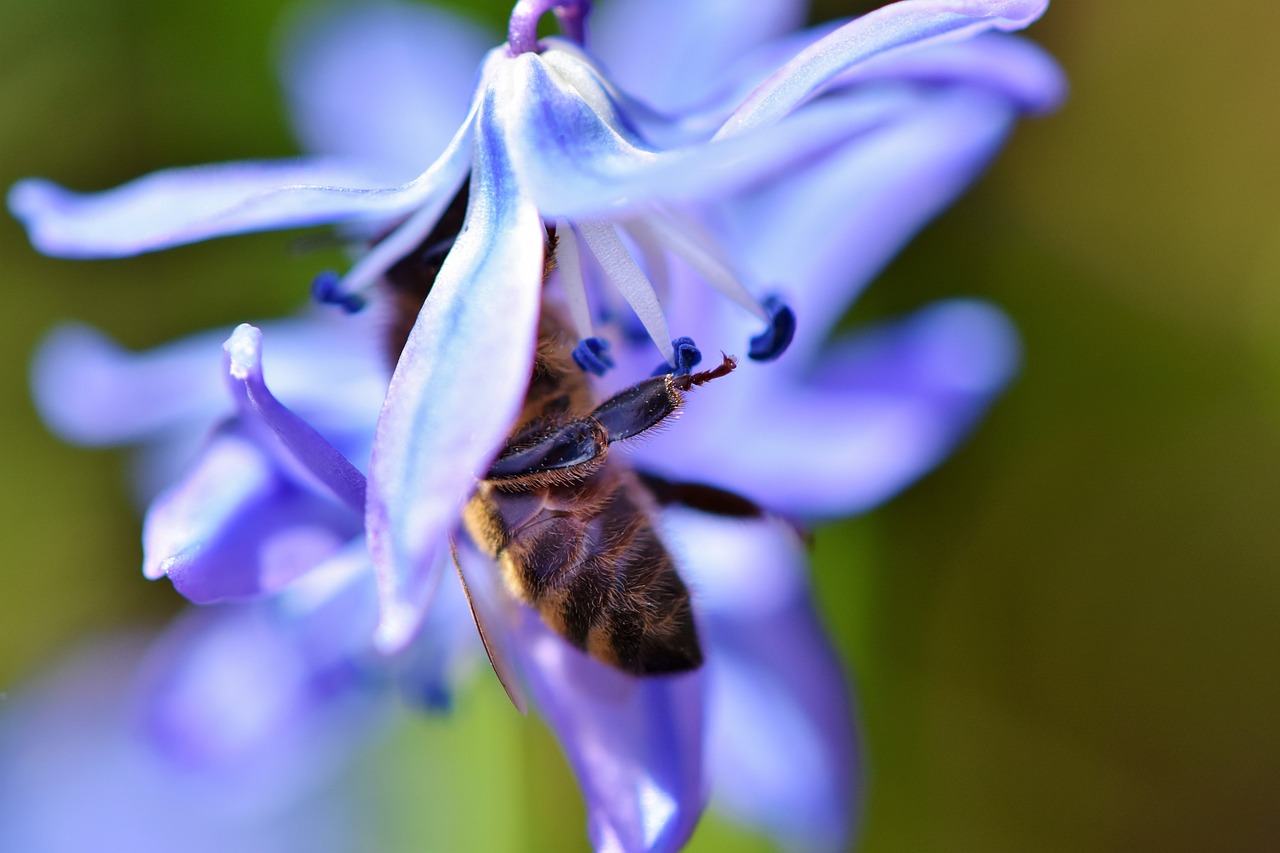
571	525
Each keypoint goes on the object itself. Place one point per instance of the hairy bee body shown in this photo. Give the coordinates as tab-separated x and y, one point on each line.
570	525
578	542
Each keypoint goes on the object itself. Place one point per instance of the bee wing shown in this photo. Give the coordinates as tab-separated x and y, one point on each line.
495	617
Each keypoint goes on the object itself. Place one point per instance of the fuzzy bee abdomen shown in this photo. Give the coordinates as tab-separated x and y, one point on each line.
598	575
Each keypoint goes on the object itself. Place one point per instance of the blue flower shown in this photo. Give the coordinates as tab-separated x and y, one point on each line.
547	137
808	173
156	748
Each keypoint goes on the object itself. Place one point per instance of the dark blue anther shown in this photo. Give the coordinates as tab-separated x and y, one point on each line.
773	341
686	355
592	355
324	289
434	696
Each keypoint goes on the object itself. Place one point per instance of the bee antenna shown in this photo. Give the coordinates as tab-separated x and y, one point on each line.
692	380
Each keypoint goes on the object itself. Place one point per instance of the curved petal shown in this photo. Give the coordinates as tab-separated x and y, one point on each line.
883	408
635	744
445	651
384	84
854	211
332	612
579	160
77	774
91	391
670	52
908	23
235	528
177	206
458	385
318	456
781	744
1013	67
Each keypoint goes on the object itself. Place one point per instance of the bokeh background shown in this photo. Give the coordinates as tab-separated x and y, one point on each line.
1067	638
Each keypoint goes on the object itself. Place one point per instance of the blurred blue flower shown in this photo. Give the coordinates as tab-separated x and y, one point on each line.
159	747
831	161
547	137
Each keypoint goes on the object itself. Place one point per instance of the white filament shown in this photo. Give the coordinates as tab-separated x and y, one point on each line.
396	245
683	238
655	259
569	263
630	281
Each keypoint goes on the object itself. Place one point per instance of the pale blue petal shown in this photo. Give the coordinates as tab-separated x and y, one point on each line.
177	206
227	687
446	651
332	611
331	369
308	447
458	385
1006	65
854	211
781	744
580	162
382	84
635	743
89	390
908	23
235	527
672	52
232	473
77	774
884	408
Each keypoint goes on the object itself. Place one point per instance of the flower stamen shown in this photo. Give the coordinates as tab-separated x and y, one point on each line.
687	357
622	270
572	283
655	259
592	355
326	288
688	240
773	341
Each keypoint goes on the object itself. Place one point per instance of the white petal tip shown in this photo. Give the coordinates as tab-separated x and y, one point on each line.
153	570
244	350
39	204
396	628
30	195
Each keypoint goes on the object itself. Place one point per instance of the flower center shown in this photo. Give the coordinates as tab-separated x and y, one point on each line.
522	32
644	288
631	252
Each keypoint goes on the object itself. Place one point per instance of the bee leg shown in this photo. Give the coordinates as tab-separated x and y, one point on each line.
576	449
567	453
700	496
647	404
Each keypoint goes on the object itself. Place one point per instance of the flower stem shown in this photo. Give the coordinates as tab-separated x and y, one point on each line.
522	32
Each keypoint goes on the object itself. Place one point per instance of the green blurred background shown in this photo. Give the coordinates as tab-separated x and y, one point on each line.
1065	639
